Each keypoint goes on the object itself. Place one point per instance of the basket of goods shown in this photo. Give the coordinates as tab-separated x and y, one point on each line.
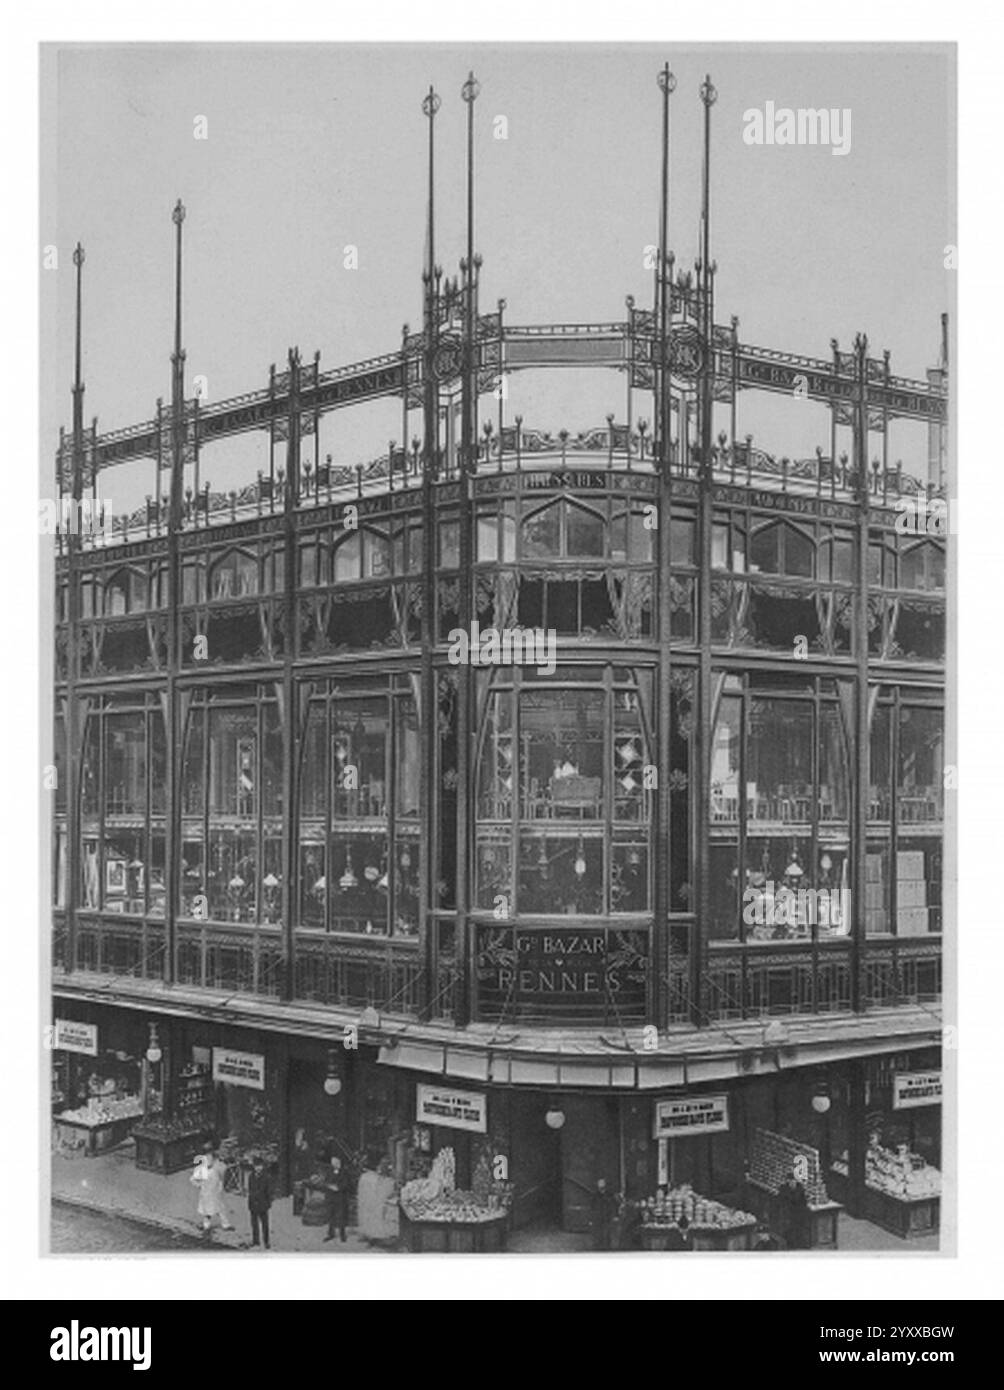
701	1213
437	1198
901	1174
104	1111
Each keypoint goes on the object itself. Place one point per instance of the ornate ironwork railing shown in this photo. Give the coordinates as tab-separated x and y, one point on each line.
108	947
233	960
515	448
901	973
561	976
387	978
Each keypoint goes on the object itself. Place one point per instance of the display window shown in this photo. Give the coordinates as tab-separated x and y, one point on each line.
564	798
122	800
905	814
779	810
360	811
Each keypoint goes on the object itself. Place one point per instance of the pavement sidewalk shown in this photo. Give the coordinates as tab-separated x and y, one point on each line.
112	1183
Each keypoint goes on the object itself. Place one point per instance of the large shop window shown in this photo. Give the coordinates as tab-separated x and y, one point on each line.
905	814
123	775
564	797
359	811
231	831
779	810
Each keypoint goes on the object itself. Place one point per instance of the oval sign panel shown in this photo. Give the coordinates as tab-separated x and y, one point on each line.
446	360
685	353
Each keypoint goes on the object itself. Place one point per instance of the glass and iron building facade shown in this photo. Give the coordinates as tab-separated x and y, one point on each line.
574	768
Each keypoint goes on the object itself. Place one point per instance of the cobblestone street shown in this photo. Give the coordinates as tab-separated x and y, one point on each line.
76	1231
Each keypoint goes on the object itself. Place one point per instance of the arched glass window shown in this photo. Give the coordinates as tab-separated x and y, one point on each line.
922	567
584	532
780	548
632	539
125	592
542	533
564	530
362	554
234	576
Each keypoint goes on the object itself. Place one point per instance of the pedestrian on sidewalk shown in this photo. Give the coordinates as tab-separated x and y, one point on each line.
794	1209
259	1200
208	1177
338	1199
603	1215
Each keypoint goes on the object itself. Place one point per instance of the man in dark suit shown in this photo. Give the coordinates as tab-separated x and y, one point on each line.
338	1200
259	1200
794	1208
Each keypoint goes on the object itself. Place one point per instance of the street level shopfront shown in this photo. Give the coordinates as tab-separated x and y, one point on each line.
535	1138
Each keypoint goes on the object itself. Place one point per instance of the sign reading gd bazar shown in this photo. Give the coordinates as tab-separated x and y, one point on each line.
562	971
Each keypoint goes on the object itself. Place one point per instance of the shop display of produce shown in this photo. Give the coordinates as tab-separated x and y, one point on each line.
702	1213
437	1198
103	1112
897	1172
774	1159
164	1130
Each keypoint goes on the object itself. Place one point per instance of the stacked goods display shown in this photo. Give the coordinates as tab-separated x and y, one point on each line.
667	1208
709	1225
169	1145
774	1159
902	1191
102	1112
101	1124
437	1197
433	1204
901	1173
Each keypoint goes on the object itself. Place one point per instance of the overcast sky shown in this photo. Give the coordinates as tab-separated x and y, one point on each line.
314	148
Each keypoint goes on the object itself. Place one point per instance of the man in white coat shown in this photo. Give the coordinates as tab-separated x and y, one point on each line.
208	1176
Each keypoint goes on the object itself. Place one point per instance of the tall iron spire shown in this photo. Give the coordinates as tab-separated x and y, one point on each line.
177	380
667	85
709	96
468	444
77	481
430	105
178	355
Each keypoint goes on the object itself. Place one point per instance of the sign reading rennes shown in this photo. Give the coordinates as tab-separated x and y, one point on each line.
562	972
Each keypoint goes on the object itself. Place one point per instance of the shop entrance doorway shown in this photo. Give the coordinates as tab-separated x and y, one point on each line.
555	1171
535	1163
590	1150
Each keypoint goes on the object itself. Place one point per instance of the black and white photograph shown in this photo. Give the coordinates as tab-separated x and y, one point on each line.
501	534
491	755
